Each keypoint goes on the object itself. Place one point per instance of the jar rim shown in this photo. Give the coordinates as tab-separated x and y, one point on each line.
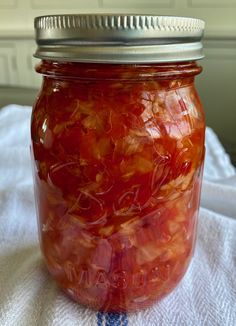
118	38
78	71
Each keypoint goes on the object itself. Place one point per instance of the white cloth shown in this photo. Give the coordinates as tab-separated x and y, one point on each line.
29	296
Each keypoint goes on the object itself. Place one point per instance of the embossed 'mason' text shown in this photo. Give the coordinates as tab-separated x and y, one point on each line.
88	277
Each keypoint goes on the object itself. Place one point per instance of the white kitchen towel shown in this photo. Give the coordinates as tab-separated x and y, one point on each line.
30	297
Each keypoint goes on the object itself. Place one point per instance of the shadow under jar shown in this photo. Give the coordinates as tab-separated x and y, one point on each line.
118	148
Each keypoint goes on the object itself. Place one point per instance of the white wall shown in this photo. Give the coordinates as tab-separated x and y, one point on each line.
217	85
17	15
16	26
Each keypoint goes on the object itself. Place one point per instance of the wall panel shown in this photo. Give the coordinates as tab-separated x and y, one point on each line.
8	67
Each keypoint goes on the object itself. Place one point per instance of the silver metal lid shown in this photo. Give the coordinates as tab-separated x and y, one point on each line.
108	38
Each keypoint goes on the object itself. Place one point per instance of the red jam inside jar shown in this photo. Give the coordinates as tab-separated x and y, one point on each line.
117	149
118	154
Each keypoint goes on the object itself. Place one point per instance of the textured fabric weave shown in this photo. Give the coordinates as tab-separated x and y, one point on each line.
29	296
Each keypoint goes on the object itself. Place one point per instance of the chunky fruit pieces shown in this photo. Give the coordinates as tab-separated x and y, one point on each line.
118	171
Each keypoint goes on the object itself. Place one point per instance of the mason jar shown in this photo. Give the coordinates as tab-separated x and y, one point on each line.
117	149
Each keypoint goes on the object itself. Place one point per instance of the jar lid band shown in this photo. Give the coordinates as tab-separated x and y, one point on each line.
106	38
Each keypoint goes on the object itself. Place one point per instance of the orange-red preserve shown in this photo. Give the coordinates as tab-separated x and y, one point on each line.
118	153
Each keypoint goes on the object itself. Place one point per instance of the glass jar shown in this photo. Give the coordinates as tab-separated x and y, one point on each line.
117	149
